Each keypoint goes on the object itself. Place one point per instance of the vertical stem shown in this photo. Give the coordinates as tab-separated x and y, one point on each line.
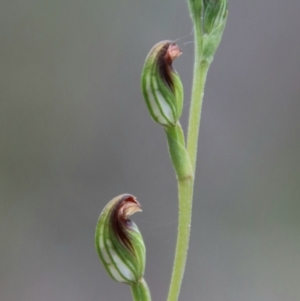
185	178
186	184
140	291
200	71
185	194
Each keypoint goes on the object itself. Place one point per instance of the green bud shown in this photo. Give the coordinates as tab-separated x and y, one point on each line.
214	21
215	13
161	85
119	242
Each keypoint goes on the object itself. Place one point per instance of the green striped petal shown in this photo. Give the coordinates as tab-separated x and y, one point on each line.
161	86
119	242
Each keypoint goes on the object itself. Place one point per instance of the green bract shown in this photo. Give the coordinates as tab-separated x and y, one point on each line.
161	85
119	242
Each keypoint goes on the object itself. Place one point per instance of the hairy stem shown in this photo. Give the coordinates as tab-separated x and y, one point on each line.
185	194
185	177
200	71
186	185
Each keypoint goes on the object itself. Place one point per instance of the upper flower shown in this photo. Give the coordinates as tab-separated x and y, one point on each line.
161	85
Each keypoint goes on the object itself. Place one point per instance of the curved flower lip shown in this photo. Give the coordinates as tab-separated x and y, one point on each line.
168	53
120	222
127	206
173	51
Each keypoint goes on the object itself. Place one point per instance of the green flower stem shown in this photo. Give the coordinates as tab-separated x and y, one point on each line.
185	194
186	180
140	291
201	67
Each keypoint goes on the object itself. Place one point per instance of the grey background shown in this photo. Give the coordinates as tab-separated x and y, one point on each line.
75	132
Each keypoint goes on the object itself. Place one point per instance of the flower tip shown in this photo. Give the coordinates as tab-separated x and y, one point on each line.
128	205
173	51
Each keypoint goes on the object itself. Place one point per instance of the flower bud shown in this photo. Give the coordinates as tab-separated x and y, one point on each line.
161	85
119	242
215	13
214	20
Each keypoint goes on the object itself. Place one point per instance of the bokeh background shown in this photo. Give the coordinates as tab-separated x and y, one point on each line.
75	132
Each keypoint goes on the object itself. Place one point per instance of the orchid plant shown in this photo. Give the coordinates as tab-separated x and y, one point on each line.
118	241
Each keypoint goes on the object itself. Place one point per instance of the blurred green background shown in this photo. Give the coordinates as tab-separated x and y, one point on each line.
75	132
